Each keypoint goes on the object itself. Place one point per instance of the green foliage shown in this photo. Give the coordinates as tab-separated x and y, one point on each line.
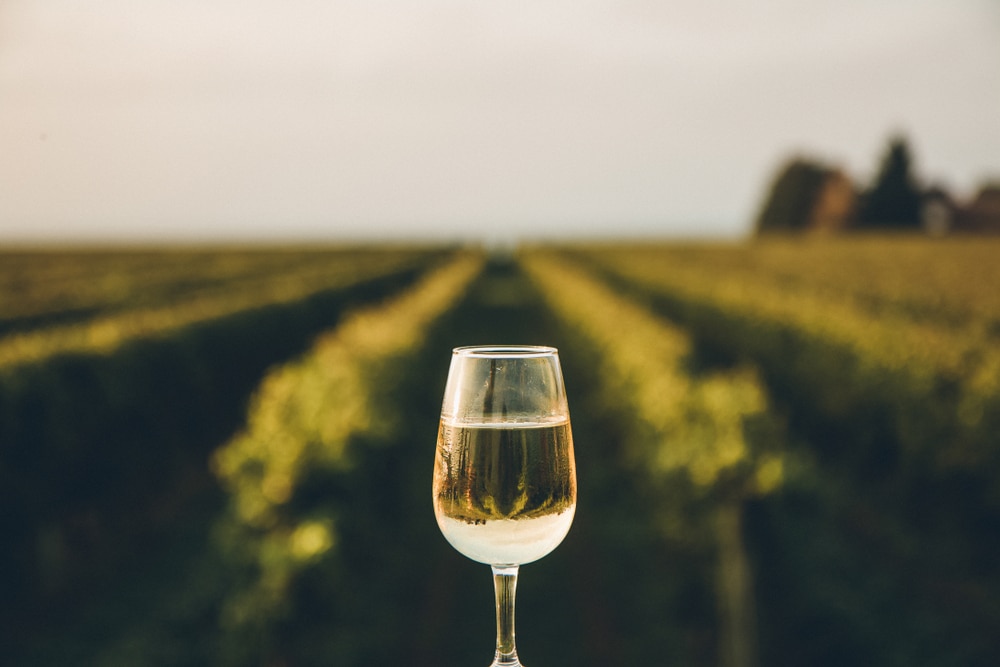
896	413
302	423
96	435
792	197
704	441
130	306
693	424
41	288
929	381
893	200
863	533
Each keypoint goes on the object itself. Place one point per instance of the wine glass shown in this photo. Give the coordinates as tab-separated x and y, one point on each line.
504	472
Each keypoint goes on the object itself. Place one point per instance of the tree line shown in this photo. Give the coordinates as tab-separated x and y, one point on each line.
810	195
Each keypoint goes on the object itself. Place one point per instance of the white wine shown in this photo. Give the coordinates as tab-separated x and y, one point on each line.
505	493
506	541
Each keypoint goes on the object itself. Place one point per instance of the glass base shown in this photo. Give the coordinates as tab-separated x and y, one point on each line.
510	661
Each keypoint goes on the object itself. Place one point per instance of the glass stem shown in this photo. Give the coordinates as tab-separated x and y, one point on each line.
505	585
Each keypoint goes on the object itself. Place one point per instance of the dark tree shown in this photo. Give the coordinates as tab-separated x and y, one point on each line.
792	197
894	198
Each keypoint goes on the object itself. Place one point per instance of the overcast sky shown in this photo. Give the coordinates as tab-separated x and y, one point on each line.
270	119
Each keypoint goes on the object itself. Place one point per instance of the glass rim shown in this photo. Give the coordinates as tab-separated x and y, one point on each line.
505	351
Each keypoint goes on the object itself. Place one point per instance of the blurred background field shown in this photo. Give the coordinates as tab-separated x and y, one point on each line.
786	449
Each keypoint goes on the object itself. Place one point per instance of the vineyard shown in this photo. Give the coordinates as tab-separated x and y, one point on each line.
786	450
